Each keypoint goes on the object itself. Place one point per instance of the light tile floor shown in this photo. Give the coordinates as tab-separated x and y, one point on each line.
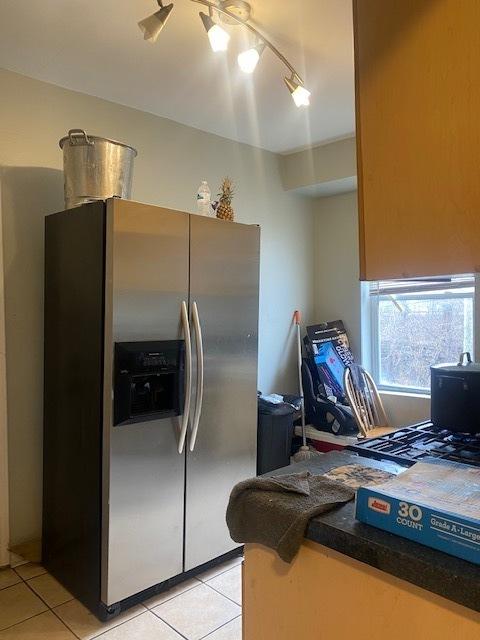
34	606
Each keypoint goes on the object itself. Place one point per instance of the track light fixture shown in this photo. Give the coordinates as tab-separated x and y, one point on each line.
300	95
218	37
231	12
152	25
248	60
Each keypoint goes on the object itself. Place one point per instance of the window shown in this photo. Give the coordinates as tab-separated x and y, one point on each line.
412	324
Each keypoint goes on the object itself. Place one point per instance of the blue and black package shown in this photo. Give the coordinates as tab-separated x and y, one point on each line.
327	345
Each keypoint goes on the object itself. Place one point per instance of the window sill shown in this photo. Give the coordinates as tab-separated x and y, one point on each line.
404	394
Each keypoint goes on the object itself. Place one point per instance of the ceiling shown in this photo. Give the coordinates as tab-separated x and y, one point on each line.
95	47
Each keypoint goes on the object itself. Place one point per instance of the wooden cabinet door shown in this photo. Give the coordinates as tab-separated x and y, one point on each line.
418	136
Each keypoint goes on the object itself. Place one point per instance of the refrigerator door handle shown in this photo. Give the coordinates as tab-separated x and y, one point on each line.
188	377
198	408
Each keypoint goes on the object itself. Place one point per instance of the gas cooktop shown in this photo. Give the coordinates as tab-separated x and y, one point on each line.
417	442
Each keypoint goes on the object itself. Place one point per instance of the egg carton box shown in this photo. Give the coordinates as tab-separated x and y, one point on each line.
435	503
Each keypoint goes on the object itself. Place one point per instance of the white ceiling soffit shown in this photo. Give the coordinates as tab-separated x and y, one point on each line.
332	188
96	47
323	170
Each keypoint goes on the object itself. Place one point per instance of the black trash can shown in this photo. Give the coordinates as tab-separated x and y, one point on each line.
275	432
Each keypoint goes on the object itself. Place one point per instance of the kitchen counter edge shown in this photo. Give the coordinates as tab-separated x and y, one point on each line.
447	576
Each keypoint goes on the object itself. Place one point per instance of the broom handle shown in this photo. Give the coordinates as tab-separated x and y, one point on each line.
297	320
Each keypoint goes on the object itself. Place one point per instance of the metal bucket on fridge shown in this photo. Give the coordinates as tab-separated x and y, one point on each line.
95	168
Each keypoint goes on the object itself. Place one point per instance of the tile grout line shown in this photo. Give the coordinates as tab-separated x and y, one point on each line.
116	626
210	632
214	590
49	608
43	599
29	617
31	578
175	596
28	586
64	623
10	585
21	621
194	587
221	573
169	625
52	609
220	627
222	594
17	574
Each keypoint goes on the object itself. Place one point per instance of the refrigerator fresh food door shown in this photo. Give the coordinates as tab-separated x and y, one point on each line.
143	478
224	274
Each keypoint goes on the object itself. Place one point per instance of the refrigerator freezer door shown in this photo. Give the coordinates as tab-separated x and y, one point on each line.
143	479
224	273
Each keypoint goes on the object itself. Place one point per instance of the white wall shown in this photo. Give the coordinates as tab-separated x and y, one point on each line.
404	409
328	163
172	161
337	289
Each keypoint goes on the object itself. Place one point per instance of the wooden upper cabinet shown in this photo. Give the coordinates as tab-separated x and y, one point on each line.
417	68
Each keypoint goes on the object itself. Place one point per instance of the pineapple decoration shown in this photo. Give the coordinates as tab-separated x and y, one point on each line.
224	209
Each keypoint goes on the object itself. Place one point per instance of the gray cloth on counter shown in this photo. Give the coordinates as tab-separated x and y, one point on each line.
275	511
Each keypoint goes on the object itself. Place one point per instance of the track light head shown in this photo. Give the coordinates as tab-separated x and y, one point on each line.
218	37
153	25
231	12
300	95
248	60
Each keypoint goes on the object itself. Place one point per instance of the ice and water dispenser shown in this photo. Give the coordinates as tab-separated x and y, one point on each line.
148	380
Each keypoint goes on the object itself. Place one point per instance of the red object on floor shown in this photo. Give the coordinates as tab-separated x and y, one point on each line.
324	441
325	447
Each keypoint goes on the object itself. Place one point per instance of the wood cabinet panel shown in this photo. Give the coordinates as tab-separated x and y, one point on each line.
325	595
418	135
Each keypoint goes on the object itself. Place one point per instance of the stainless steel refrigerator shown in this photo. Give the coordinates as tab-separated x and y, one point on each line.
151	319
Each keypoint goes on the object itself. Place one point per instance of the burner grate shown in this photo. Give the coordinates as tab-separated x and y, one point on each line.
411	444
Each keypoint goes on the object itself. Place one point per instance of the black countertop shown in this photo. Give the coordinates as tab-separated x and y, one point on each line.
447	576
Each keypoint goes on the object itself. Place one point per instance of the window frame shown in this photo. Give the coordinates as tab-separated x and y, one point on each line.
370	328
